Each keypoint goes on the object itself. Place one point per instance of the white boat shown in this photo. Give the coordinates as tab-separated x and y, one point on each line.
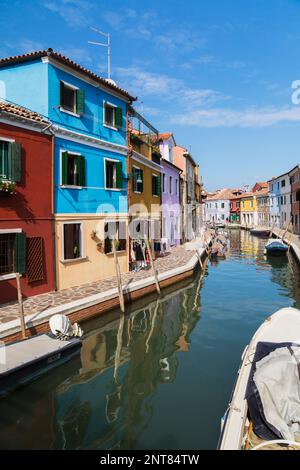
244	426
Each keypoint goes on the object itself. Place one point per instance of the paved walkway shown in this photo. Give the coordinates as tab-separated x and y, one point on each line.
288	236
179	256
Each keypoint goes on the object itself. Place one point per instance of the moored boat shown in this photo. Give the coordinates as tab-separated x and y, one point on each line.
260	232
276	246
263	412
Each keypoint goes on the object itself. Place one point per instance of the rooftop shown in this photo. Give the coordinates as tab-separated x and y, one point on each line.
65	61
19	111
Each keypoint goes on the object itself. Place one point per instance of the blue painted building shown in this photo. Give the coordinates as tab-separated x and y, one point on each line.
274	200
88	116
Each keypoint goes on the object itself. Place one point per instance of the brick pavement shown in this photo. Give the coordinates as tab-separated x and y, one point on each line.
178	256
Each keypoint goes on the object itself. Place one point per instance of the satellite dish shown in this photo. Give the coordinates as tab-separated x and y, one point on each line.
111	81
62	328
60	324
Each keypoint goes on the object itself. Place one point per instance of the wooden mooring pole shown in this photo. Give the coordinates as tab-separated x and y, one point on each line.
118	274
152	265
21	309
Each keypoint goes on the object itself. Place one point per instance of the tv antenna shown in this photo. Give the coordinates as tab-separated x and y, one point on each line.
106	44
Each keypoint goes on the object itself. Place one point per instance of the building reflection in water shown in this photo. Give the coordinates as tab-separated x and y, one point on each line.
105	401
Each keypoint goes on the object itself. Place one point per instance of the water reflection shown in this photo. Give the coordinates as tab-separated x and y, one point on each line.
107	401
161	376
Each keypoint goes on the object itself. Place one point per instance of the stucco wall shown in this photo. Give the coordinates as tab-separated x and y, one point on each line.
96	266
94	197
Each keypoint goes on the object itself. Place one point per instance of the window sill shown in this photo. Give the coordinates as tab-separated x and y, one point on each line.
114	189
6	277
75	260
71	113
110	127
70	186
137	192
121	252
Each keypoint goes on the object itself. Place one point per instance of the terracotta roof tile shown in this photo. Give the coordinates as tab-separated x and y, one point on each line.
66	61
22	112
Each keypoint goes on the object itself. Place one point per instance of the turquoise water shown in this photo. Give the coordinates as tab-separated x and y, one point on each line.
161	377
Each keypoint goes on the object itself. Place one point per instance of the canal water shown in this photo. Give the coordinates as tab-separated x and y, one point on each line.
161	377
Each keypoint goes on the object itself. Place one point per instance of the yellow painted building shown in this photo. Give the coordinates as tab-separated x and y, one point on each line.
144	190
248	210
97	260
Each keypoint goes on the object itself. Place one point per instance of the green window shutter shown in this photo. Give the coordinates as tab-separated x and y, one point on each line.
80	101
64	168
61	96
119	118
119	171
15	151
158	181
20	253
142	178
153	185
81	167
4	156
134	178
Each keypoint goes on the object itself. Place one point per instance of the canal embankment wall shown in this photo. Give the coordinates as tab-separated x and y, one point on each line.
95	305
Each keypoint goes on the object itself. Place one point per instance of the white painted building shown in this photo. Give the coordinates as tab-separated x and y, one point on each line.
280	200
217	206
166	146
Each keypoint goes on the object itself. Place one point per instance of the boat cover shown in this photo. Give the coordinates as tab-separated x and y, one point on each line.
273	391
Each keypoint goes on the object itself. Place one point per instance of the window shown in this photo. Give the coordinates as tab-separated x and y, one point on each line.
10	161
73	169
113	116
7	253
4	173
238	204
171	185
155	185
282	183
113	174
137	175
163	227
12	253
71	98
281	199
164	183
117	231
176	186
222	205
72	241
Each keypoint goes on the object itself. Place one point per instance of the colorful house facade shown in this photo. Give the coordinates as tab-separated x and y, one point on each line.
88	117
144	188
249	217
280	200
235	206
185	162
218	205
26	209
171	208
295	198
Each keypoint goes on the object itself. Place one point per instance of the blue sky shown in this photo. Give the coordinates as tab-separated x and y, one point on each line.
217	73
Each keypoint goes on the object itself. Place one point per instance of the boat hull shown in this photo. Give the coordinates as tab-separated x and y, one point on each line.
282	326
19	373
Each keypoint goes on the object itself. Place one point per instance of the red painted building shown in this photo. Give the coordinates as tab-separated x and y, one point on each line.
295	198
235	206
26	195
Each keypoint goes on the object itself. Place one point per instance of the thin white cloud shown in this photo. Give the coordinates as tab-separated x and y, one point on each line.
147	84
250	117
182	38
73	12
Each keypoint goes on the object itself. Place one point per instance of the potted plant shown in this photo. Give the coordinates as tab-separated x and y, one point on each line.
7	187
